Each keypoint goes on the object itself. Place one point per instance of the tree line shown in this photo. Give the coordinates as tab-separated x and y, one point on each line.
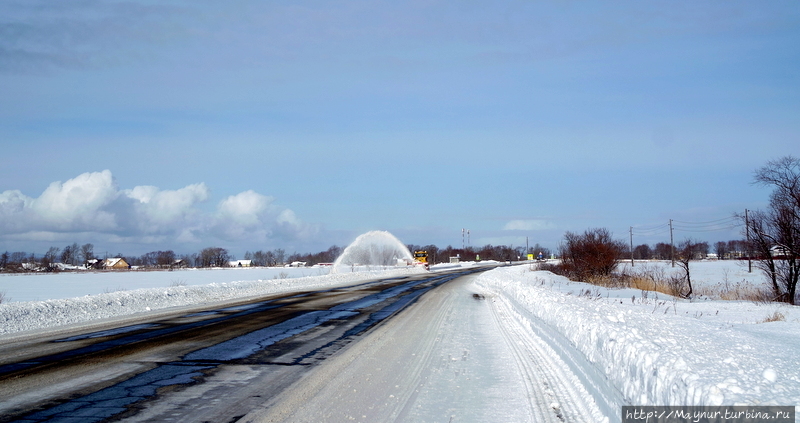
72	254
724	250
79	255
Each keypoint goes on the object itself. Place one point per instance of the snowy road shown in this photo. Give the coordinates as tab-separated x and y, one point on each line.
456	355
213	365
511	344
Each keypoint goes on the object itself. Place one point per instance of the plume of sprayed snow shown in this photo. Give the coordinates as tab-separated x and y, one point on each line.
374	248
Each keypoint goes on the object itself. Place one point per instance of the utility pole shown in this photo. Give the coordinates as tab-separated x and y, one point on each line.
631	246
462	239
671	245
747	231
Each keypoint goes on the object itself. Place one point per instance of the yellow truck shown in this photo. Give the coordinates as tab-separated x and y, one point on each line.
422	257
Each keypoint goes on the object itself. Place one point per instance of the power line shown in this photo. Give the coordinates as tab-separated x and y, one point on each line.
724	219
717	225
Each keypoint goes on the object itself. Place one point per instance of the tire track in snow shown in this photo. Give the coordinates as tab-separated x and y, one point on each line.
563	385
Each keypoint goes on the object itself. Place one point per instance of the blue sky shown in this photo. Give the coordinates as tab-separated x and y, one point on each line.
140	126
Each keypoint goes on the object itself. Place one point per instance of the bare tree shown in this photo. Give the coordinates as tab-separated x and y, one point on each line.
702	249
165	258
662	251
87	252
269	258
775	233
214	257
685	252
51	256
642	252
721	248
18	257
279	255
593	253
69	255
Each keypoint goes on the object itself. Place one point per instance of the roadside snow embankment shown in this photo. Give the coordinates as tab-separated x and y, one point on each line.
661	351
30	315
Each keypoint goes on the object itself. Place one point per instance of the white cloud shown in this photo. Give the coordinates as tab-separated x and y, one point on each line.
244	215
528	225
159	210
12	211
252	216
91	203
75	205
246	209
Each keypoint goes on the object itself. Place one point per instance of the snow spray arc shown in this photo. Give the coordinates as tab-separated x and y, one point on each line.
374	248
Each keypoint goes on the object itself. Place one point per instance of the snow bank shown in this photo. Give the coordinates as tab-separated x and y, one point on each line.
51	286
29	315
658	350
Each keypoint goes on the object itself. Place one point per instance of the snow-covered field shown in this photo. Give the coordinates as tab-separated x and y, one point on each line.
144	292
54	286
659	350
708	276
652	348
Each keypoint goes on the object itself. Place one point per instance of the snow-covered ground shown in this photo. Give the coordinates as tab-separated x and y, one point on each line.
55	286
144	292
622	346
659	350
710	277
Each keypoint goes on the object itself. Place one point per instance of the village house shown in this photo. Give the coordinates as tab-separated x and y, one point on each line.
240	263
116	263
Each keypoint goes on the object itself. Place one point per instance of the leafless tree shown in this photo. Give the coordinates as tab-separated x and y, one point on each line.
775	233
69	255
662	251
685	252
269	258
593	253
214	257
279	255
721	249
51	256
701	249
18	257
642	252
87	252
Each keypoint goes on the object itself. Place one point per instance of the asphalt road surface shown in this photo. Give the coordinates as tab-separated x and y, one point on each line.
214	365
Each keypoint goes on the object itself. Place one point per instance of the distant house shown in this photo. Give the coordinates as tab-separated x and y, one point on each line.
116	263
779	252
240	263
94	264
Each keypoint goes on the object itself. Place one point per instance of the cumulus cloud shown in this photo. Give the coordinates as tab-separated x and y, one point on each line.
75	205
78	203
528	225
159	210
253	216
245	215
93	203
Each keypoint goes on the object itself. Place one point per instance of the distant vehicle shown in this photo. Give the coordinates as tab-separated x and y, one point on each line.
422	257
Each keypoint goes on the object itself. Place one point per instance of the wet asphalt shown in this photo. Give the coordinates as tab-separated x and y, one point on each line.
123	373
